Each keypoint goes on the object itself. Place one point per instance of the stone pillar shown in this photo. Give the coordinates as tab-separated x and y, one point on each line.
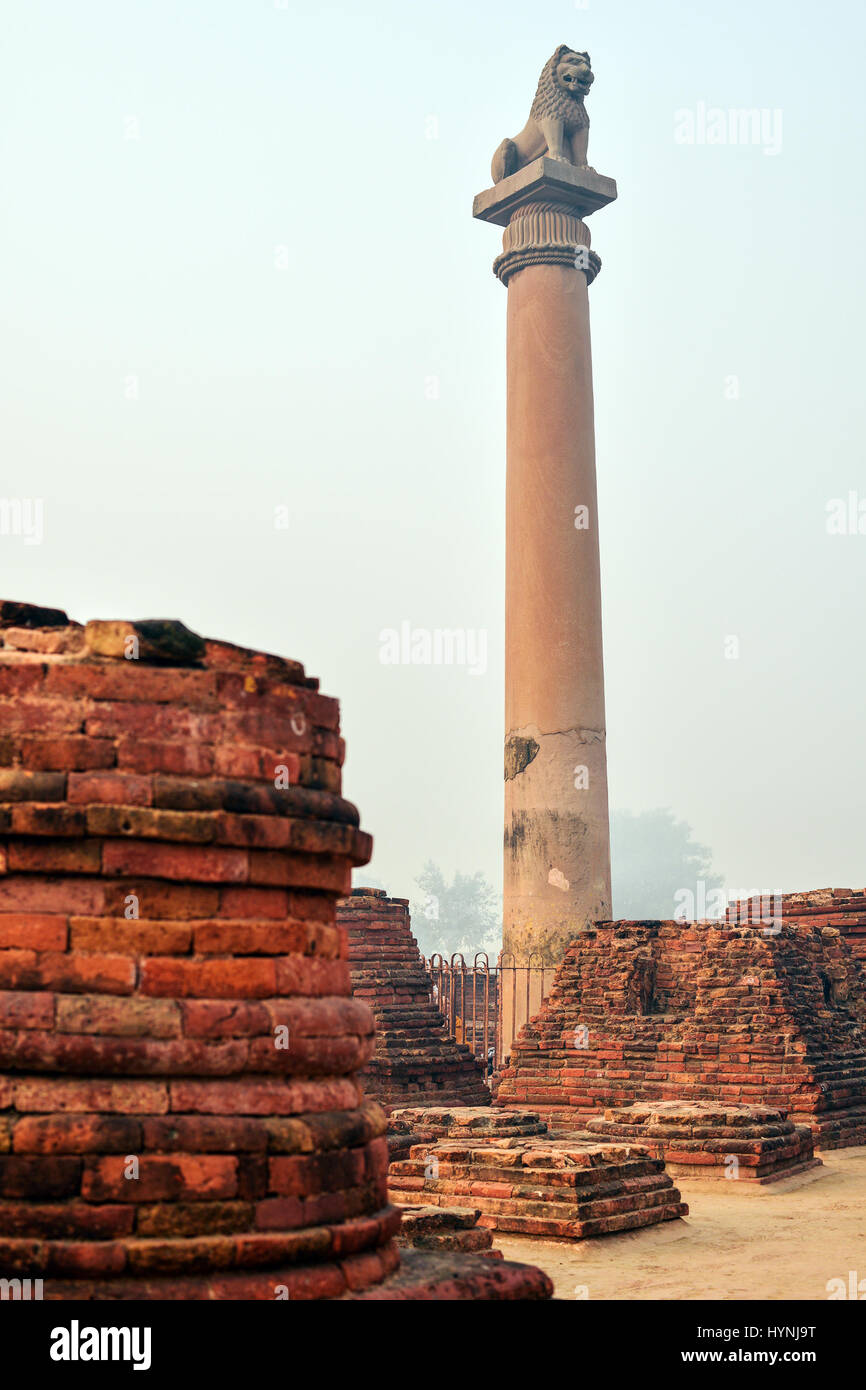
557	844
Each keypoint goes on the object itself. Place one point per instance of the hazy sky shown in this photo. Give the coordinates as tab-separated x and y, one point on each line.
241	274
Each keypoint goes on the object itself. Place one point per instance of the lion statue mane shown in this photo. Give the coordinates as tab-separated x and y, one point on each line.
558	123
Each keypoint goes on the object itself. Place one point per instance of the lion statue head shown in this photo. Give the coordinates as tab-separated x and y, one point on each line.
564	82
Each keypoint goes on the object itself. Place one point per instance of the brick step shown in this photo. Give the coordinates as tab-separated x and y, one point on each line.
496	1215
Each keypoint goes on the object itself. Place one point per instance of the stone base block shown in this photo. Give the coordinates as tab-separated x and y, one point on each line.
748	1143
463	1122
446	1228
543	1187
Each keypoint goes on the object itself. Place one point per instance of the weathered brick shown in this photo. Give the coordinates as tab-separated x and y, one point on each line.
188	794
125	1017
162	755
303	975
50	895
272	1097
34	931
39	1177
77	1134
26	1010
76	972
32	786
161	641
66	641
265	832
43	716
74	753
21	680
259	764
14	613
116	788
190	1176
184	1219
69	1094
18	970
147	823
305	871
267	727
175	901
219	979
197	863
253	903
132	681
63	1220
265	938
305	1176
129	936
47	820
205	1134
48	857
230	1018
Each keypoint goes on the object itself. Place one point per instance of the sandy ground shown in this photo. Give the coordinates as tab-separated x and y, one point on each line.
785	1240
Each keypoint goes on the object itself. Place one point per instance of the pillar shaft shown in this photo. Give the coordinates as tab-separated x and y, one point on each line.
557	850
557	839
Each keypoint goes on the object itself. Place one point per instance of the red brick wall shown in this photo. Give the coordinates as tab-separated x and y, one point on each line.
415	1062
179	1109
650	1011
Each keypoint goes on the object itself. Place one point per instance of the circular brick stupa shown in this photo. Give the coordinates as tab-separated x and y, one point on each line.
179	1111
416	1062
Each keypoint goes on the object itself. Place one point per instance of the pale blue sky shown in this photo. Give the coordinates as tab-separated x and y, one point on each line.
152	264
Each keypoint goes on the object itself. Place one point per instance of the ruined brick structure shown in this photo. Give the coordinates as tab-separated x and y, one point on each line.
415	1061
699	1139
516	1175
544	1187
429	1123
180	1115
656	1011
446	1228
843	908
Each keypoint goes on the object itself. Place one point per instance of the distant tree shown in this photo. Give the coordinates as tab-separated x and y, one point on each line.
464	915
655	862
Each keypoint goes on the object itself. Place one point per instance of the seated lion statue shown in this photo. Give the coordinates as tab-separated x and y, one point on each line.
558	124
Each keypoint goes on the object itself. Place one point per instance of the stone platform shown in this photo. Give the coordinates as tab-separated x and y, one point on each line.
415	1061
426	1124
644	1012
559	1189
446	1228
180	1110
751	1144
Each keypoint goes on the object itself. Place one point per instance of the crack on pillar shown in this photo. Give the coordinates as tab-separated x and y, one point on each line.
523	745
